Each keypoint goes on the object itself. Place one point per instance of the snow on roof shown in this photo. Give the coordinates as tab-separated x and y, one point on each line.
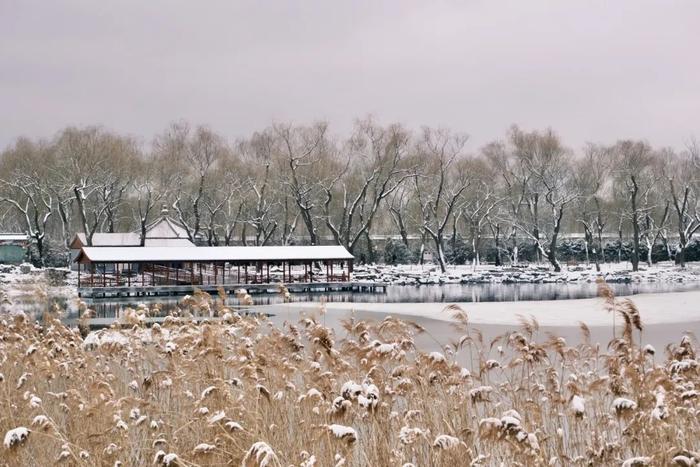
169	242
163	232
13	237
165	228
107	239
211	253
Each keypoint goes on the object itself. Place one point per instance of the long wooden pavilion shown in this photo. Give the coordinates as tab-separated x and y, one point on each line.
182	268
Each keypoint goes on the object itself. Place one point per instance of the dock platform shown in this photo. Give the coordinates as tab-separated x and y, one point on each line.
253	289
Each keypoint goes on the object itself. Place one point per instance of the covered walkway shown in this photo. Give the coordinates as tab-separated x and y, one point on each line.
211	266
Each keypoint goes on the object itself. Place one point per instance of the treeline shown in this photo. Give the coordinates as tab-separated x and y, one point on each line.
291	184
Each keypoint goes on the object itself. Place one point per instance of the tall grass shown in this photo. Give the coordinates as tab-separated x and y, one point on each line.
240	391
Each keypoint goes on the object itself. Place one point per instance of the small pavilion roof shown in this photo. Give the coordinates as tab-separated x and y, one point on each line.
160	254
13	238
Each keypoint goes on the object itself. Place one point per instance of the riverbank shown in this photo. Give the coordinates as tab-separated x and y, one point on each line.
412	274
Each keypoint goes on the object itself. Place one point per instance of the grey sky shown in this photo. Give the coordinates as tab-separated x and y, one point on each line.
593	70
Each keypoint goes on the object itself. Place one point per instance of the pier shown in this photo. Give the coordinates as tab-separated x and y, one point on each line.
121	272
156	290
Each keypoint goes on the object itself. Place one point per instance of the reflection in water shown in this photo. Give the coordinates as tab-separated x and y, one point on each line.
424	293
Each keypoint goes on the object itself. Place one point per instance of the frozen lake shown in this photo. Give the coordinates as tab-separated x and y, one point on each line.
445	293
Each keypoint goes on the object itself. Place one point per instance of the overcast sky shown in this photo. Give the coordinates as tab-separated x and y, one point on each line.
592	70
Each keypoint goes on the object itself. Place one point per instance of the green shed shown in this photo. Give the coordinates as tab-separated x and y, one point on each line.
13	248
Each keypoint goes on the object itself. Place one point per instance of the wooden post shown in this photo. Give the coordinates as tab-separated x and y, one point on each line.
104	274
177	275
245	271
192	273
331	261
128	277
350	270
267	265
223	272
239	272
79	266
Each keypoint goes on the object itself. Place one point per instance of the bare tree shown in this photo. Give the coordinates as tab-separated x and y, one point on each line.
199	151
257	165
376	172
682	174
398	207
304	152
482	201
513	182
440	186
25	188
592	177
549	182
633	170
146	195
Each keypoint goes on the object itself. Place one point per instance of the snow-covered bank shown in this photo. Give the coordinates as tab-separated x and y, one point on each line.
27	287
665	308
611	272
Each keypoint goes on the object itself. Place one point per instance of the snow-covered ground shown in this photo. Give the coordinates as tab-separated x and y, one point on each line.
533	273
27	287
664	308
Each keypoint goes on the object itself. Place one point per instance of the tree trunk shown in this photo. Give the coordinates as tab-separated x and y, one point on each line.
441	254
498	245
552	253
552	257
635	225
680	254
40	249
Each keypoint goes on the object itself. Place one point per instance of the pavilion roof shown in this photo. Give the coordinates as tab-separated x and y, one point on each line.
160	254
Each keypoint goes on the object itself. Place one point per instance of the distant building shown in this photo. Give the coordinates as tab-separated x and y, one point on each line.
13	248
164	232
165	260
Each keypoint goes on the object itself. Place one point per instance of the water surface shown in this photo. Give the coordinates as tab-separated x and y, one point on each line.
426	293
